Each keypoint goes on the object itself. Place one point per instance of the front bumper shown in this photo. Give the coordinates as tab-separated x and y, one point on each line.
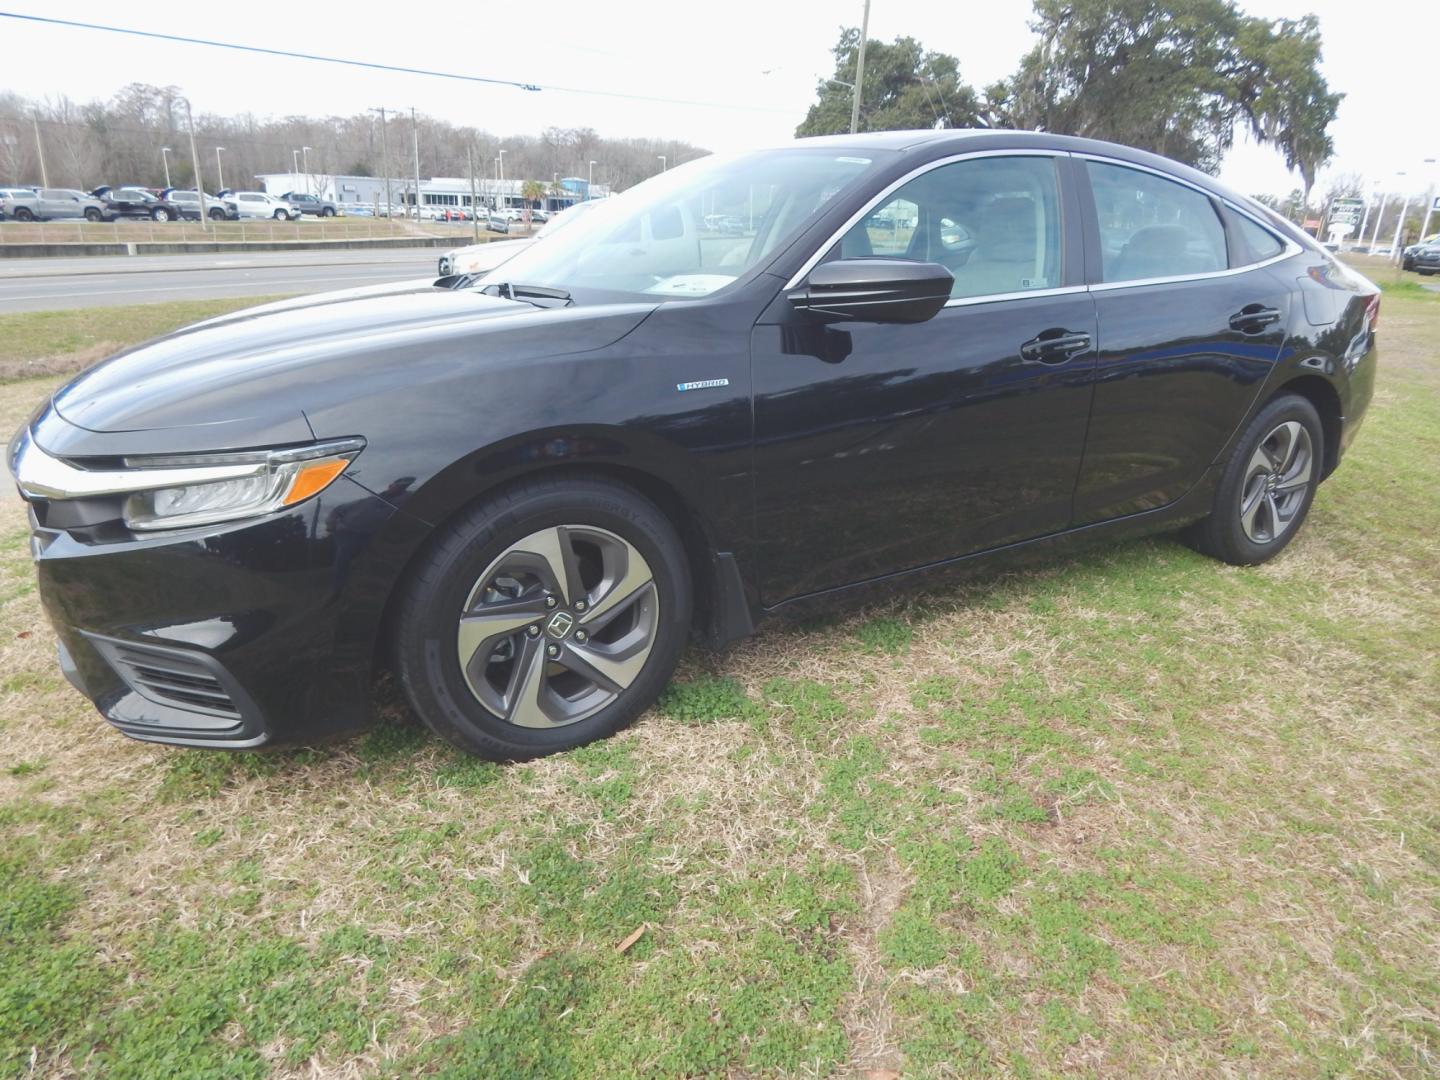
238	635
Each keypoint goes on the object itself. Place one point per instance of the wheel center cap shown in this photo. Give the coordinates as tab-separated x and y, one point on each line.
560	624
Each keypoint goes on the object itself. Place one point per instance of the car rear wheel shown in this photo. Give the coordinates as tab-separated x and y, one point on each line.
544	618
328	211
1267	487
92	214
22	214
217	214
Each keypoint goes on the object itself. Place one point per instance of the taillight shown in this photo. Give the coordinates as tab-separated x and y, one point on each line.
1372	312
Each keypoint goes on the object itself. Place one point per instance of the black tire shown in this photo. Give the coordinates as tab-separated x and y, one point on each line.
22	214
216	214
281	215
436	589
328	211
92	214
1222	534
160	214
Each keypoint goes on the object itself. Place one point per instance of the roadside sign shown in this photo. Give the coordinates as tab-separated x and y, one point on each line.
1346	211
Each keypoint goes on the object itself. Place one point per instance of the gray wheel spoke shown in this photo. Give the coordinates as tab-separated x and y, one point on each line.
1248	512
1285	454
491	623
552	546
614	596
610	671
524	704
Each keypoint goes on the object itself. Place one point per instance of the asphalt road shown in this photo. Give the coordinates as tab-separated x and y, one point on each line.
108	280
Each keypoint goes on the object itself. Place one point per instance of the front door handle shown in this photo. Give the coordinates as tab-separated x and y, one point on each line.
1054	346
1253	318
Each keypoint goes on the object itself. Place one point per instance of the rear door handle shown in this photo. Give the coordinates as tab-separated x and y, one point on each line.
1253	318
1054	346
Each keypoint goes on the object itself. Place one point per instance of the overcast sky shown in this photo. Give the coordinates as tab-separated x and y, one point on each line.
746	69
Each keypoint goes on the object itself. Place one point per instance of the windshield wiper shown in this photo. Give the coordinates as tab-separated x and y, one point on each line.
509	290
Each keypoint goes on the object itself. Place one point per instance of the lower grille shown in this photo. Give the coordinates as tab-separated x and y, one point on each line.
177	678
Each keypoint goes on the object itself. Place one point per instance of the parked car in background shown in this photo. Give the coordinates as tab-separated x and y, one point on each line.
1423	258
1407	256
135	203
189	204
50	204
357	210
482	258
257	204
496	221
310	204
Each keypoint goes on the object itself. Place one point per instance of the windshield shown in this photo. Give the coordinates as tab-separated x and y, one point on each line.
692	230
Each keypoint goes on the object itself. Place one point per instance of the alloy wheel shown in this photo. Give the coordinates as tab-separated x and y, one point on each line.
558	626
1276	480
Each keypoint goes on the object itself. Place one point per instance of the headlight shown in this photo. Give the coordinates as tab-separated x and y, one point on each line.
225	487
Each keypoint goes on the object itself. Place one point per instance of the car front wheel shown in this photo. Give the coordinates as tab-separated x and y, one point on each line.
22	214
546	617
160	214
1267	487
92	214
281	215
329	211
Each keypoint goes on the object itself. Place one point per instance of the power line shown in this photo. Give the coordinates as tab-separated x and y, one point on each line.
395	68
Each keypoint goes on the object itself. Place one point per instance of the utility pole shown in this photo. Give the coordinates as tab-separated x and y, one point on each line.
385	156
219	172
1375	236
165	153
415	134
589	181
474	201
663	165
305	152
40	149
195	163
501	175
859	71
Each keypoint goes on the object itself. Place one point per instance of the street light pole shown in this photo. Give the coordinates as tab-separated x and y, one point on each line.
294	162
305	153
859	71
219	172
663	165
589	181
501	176
415	135
165	153
474	200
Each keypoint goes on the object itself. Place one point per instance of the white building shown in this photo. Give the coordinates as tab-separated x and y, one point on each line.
436	191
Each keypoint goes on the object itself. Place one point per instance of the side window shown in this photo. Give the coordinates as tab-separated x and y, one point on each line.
993	222
1249	242
1151	227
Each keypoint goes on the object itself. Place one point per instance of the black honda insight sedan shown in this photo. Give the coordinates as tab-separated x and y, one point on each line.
750	385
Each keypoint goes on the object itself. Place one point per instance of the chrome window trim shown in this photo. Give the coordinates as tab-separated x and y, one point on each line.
920	170
1288	247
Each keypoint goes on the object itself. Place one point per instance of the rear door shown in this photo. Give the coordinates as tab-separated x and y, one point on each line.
57	204
1186	339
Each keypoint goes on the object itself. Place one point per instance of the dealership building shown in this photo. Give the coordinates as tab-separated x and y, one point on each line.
438	191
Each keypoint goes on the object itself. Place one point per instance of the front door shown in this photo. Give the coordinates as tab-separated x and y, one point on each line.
883	447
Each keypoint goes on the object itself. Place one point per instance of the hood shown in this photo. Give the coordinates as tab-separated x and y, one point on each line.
262	369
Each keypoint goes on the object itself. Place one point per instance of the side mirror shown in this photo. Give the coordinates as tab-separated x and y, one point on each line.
875	290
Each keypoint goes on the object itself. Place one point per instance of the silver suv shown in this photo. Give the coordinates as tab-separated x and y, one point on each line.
49	204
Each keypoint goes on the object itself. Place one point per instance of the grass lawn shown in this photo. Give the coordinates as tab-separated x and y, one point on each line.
1131	813
36	343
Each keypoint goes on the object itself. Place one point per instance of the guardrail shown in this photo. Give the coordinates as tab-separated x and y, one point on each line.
264	231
